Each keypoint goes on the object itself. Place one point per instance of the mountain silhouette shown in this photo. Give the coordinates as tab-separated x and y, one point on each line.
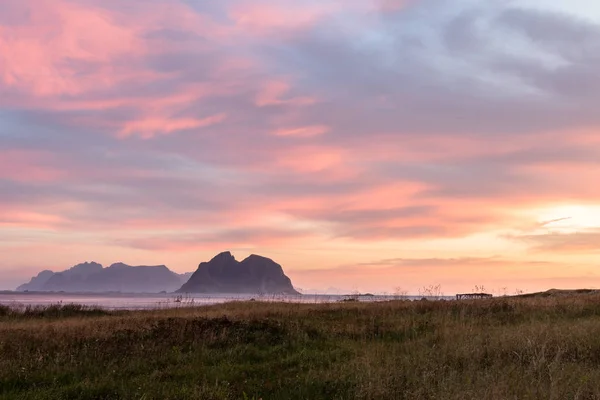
37	282
94	278
224	274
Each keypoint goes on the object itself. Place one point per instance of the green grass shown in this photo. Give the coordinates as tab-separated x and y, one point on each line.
525	348
49	312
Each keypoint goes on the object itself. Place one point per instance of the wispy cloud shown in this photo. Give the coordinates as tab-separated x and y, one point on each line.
165	130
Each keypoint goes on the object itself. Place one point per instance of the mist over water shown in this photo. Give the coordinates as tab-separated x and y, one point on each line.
115	301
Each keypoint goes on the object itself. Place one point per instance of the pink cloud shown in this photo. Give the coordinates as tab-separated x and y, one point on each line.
303	132
29	166
35	57
70	56
28	219
67	54
178	242
298	118
151	126
328	162
263	17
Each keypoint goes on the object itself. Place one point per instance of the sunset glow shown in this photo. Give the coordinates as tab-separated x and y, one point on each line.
364	145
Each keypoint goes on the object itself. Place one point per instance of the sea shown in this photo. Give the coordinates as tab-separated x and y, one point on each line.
122	301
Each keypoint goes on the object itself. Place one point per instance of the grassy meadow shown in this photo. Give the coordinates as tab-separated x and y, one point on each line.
503	348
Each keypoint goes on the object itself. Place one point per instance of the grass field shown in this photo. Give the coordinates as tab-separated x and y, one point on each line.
506	348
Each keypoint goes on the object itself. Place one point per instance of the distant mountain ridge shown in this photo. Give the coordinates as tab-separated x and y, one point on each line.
37	282
253	275
94	278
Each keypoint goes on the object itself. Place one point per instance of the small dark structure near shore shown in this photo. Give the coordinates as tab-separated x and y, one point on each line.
469	296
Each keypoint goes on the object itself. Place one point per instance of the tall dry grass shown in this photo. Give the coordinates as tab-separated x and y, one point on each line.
505	348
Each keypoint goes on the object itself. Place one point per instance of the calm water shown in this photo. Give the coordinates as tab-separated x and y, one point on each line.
136	302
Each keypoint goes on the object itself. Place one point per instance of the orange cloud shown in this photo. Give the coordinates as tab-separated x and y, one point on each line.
26	219
497	275
328	162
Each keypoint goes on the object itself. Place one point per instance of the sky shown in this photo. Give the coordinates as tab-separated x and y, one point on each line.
365	145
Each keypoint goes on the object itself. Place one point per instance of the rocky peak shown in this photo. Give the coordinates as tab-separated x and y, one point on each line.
86	268
224	274
223	257
46	273
119	265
